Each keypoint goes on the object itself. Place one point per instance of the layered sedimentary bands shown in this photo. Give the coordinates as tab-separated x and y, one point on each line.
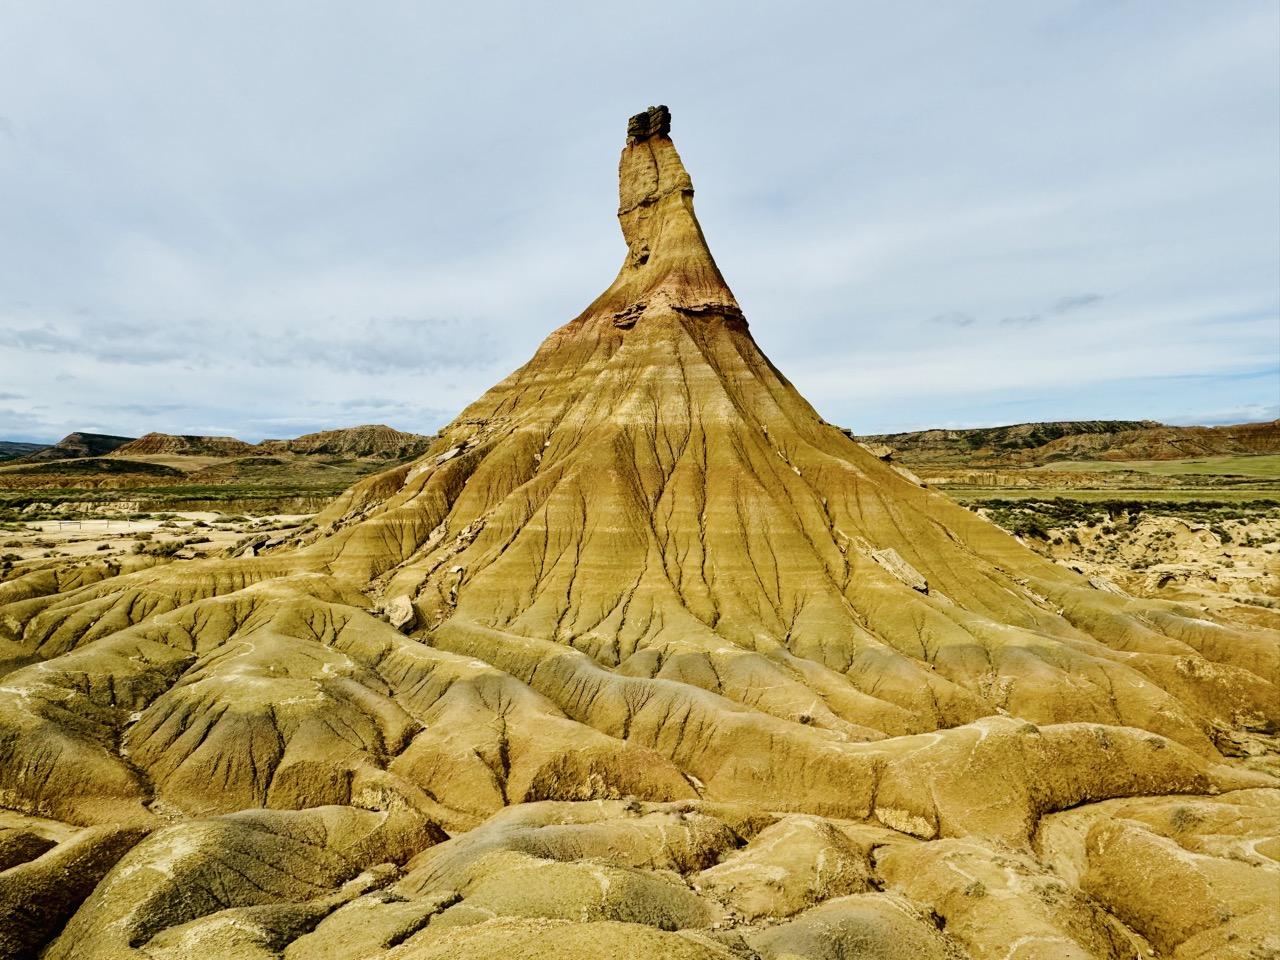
1033	444
640	659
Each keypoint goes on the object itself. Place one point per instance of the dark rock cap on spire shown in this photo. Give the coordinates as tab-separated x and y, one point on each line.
654	122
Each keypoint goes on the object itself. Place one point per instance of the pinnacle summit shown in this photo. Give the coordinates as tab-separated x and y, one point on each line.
654	122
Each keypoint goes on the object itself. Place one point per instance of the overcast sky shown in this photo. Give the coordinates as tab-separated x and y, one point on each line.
263	219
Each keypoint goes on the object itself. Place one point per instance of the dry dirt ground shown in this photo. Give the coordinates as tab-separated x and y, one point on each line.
1228	565
641	659
187	534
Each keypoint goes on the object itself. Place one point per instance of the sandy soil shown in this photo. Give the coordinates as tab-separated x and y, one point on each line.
1230	569
198	533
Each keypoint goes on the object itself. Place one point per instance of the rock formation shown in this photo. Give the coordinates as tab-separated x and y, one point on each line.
689	673
372	440
77	445
1032	444
153	444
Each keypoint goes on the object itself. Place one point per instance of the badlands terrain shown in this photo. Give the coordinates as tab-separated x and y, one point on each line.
1182	513
90	474
639	658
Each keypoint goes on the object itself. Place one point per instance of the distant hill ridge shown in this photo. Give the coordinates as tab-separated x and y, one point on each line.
184	445
78	444
371	441
1031	444
11	449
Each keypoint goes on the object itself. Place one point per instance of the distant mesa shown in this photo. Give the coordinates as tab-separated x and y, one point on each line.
371	440
79	444
1033	444
374	441
13	449
183	445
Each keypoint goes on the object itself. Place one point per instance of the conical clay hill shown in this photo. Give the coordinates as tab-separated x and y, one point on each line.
641	659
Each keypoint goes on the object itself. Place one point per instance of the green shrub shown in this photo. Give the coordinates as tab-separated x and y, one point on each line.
167	549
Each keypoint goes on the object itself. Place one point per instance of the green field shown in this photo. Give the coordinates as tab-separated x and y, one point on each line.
252	499
1262	466
1262	495
250	485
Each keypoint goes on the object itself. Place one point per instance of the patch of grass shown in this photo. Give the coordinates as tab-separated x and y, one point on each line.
167	549
159	502
1169	495
1035	517
96	465
1265	466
